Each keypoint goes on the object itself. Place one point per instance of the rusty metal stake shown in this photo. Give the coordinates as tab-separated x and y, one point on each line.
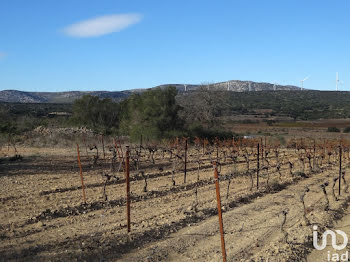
258	167
81	175
127	180
185	172
340	167
216	176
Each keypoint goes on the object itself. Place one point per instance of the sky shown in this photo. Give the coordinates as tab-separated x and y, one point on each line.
114	45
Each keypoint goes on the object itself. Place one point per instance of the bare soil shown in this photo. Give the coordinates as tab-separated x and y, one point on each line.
43	217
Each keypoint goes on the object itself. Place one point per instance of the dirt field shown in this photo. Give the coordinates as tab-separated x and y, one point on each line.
43	217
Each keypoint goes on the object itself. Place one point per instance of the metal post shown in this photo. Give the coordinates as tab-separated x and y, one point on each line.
258	167
127	180
340	167
223	249
185	173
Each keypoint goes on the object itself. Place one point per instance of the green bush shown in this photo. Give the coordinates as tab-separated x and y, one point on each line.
333	129
249	121
153	114
347	129
197	130
270	122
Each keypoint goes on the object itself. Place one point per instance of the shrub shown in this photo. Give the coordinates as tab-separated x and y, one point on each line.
333	129
249	121
347	129
153	113
197	130
270	122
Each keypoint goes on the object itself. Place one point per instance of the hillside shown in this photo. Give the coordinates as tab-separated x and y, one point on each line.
234	86
15	96
302	105
203	105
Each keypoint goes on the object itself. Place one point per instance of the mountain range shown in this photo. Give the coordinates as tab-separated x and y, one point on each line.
16	96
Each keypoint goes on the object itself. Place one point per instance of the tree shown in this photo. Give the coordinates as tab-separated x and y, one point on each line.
99	114
153	113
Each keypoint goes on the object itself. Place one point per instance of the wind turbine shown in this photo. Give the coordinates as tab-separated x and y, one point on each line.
185	87
250	86
302	82
337	82
228	85
274	85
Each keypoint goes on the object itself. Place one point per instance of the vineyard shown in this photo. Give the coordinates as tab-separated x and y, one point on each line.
104	198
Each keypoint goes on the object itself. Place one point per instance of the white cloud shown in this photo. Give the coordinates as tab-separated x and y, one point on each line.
101	25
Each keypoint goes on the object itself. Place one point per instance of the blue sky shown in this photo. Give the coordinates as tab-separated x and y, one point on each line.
117	45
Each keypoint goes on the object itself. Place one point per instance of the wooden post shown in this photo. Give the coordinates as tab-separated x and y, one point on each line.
216	176
258	167
340	167
81	175
127	180
185	172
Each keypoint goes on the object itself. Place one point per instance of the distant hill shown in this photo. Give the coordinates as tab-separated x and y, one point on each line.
203	106
300	105
234	86
16	96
